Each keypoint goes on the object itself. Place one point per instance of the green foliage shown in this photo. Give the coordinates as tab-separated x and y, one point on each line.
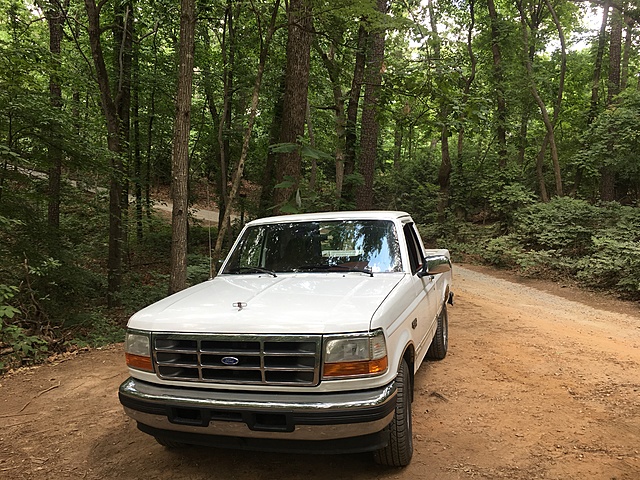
614	264
563	224
95	329
613	141
597	245
198	268
508	199
408	188
143	288
61	271
22	347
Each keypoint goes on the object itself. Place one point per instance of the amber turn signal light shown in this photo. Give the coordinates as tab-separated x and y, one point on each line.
139	361
354	369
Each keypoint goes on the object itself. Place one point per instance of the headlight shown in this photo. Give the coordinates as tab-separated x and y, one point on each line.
355	355
137	351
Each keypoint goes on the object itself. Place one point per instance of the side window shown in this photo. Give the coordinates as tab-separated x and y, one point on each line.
415	252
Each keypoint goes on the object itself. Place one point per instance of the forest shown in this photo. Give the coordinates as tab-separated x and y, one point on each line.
509	129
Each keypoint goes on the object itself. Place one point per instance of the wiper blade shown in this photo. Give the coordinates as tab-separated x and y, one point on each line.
251	268
346	268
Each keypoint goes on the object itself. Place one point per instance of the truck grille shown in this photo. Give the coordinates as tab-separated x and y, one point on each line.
257	360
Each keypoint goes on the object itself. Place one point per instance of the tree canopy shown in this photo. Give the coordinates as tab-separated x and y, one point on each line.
462	113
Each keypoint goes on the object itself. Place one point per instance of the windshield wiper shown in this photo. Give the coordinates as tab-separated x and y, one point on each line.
251	268
322	266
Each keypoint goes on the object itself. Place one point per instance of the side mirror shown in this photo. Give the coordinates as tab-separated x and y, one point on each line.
434	265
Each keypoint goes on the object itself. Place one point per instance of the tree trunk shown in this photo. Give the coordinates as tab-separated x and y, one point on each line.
333	69
351	137
498	75
55	17
615	55
398	136
123	58
597	68
595	86
180	154
370	124
541	105
469	80
544	195
556	112
444	173
626	56
607	172
137	150
114	142
224	123
289	165
313	177
269	173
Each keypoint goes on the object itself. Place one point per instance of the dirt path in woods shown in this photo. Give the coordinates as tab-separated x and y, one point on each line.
540	382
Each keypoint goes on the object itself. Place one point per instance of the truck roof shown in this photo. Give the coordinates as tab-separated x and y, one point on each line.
347	215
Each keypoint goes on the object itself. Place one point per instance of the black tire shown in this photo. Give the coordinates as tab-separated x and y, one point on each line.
170	444
440	343
399	451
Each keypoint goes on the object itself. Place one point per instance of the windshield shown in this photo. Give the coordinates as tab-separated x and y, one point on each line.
370	246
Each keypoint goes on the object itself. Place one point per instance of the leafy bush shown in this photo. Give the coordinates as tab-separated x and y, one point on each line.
614	264
563	224
409	188
508	199
94	329
17	345
598	245
198	269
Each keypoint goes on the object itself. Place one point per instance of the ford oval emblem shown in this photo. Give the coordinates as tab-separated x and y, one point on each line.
230	361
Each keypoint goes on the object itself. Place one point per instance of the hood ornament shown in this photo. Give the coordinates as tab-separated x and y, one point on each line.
239	305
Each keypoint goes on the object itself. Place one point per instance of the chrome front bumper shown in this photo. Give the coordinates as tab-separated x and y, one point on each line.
283	416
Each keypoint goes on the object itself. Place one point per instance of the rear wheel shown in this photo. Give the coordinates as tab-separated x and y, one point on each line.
440	343
400	448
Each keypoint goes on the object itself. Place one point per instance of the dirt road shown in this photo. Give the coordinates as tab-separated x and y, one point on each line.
536	385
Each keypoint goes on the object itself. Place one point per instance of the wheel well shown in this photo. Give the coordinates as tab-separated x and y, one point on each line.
409	356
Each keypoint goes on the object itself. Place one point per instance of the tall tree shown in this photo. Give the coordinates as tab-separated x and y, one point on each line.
351	136
548	123
607	172
370	123
556	112
473	61
180	155
55	13
111	105
597	68
626	56
333	69
498	75
289	164
444	173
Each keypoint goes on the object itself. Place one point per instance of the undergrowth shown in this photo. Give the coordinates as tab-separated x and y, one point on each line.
598	246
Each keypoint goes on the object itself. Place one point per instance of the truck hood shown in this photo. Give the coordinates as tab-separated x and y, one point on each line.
302	303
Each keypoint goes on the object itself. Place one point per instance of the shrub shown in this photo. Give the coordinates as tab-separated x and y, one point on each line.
563	224
17	344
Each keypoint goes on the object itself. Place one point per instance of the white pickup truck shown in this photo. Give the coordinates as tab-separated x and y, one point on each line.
308	340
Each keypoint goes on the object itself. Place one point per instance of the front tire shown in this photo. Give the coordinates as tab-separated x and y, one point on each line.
440	343
399	451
